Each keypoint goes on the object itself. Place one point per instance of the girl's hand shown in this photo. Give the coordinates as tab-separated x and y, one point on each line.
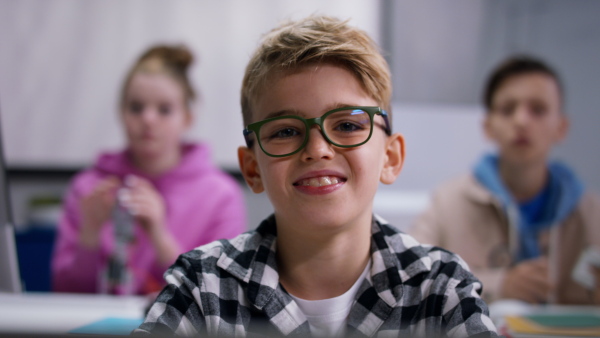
96	209
145	203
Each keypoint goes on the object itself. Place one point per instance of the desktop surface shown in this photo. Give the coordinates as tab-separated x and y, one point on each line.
57	314
518	319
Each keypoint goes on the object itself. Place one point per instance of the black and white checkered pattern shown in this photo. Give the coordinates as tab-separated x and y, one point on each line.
231	288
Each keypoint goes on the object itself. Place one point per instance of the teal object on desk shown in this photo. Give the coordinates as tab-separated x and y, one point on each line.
566	320
110	326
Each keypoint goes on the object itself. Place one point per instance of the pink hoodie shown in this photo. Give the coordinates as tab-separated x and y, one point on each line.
203	204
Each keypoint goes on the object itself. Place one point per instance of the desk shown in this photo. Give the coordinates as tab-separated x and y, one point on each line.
502	309
59	313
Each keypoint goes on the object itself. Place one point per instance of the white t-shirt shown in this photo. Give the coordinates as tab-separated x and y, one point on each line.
327	317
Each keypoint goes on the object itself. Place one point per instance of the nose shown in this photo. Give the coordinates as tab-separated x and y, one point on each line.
317	146
149	116
522	115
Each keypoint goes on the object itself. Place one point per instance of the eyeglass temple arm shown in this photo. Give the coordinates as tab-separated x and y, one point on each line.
249	141
386	119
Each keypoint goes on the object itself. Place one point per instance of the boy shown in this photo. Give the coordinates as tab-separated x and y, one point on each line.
519	220
318	142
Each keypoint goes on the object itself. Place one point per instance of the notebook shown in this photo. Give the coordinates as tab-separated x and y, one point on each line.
556	324
110	326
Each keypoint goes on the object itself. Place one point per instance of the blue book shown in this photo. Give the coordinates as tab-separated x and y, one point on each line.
110	326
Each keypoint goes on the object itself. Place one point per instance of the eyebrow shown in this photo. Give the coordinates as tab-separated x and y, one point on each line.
295	112
283	113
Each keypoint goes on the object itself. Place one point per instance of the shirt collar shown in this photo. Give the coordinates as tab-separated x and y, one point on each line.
396	257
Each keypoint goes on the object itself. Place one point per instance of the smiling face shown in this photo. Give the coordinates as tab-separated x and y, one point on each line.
154	115
525	120
322	185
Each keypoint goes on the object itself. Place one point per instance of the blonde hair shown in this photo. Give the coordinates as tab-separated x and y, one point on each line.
173	61
316	39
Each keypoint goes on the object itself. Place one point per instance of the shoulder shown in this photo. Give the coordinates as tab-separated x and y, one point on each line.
233	255
589	210
429	275
85	180
416	258
439	281
223	181
590	201
460	192
107	163
230	247
465	186
236	258
197	163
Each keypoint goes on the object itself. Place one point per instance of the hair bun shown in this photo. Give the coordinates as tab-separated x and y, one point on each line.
172	60
178	57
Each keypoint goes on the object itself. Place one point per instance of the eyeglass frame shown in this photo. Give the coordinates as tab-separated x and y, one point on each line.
308	123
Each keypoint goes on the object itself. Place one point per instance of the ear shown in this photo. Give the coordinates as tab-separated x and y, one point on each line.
189	118
250	170
563	128
487	126
393	159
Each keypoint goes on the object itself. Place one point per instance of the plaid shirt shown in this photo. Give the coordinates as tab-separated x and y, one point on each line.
231	288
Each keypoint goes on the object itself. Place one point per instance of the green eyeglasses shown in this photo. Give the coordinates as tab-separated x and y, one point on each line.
345	127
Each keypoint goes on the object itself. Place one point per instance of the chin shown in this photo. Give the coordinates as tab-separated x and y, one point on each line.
327	219
147	151
525	159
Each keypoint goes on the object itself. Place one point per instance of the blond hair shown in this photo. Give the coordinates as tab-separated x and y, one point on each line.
316	39
173	61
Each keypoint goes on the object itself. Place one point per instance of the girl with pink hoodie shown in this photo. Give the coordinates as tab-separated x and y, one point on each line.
169	191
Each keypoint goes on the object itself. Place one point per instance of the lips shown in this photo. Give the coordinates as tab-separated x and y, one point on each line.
148	136
521	141
319	179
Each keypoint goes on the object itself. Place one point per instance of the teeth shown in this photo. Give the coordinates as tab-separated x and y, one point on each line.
319	181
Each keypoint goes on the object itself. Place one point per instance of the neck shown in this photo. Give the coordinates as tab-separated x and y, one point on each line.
524	181
156	164
316	267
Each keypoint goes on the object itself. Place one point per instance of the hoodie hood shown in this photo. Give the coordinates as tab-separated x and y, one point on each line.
564	193
195	160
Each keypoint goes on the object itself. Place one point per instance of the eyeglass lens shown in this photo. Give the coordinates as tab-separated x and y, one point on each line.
343	128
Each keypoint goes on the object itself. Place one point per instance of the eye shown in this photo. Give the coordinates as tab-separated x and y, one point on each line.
538	110
165	109
505	109
348	127
135	107
284	133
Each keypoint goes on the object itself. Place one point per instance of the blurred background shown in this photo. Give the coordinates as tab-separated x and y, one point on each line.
62	63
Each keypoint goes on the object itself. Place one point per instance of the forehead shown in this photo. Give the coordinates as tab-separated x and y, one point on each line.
310	90
154	84
534	85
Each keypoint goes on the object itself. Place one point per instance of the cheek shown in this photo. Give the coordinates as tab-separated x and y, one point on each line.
368	162
264	167
129	125
552	134
500	131
175	124
273	174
